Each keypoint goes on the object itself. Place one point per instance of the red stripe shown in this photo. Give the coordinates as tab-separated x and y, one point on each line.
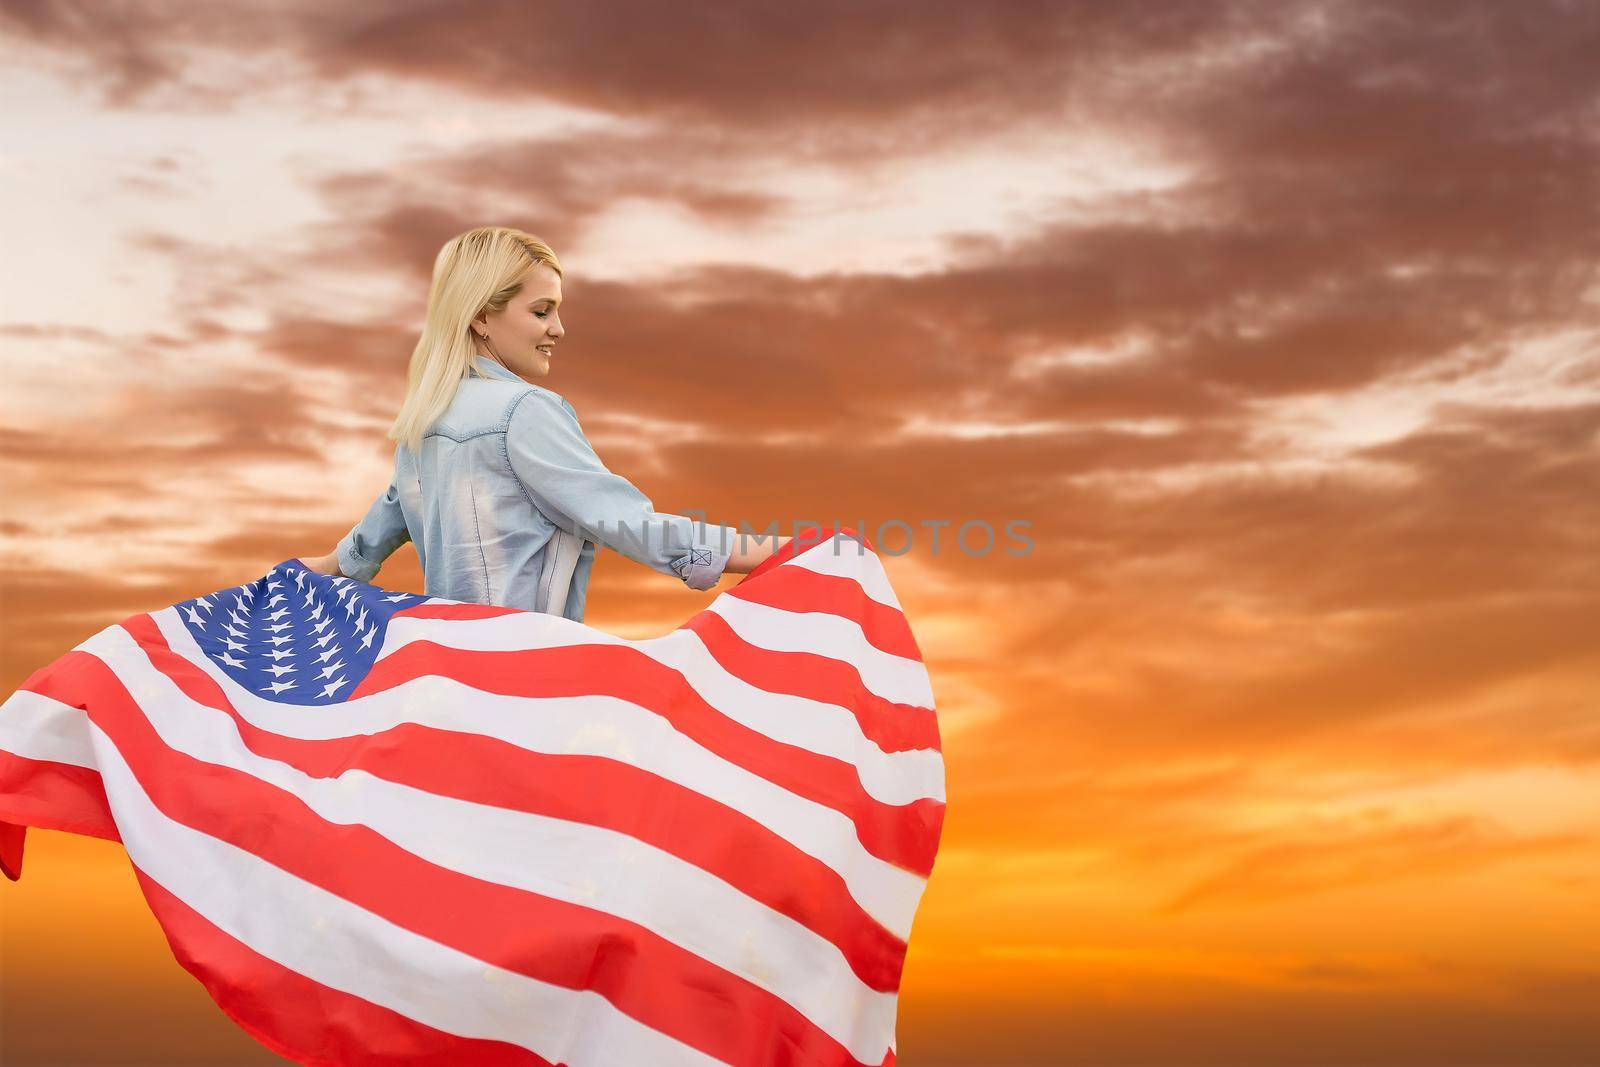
799	589
305	1020
590	789
892	726
808	537
51	796
655	981
895	833
441	610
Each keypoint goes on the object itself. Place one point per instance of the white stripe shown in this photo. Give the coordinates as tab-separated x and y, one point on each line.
587	725
586	865
895	678
38	727
851	559
814	725
324	937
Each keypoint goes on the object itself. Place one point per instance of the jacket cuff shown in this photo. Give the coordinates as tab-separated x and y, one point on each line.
705	556
353	564
702	568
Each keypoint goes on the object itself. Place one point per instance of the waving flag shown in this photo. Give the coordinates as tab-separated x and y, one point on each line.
388	828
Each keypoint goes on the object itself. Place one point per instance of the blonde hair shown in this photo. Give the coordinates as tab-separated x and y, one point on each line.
475	272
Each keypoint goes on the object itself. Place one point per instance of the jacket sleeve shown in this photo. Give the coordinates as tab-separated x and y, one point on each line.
374	539
566	480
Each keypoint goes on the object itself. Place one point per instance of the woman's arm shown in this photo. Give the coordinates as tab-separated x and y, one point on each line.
564	478
361	552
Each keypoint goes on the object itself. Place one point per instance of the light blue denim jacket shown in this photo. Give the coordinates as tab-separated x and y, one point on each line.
504	479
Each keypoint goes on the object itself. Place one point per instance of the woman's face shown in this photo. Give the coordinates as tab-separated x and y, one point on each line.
530	325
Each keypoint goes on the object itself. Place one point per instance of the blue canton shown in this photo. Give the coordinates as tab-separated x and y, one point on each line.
294	636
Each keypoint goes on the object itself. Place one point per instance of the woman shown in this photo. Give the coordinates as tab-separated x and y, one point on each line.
494	480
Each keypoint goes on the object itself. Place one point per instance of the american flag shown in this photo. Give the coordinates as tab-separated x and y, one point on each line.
389	828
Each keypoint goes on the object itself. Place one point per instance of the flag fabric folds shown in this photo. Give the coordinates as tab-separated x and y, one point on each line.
384	828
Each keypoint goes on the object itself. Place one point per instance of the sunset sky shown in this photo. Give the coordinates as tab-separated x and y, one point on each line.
1278	322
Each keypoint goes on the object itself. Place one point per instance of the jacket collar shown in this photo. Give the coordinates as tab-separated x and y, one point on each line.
488	368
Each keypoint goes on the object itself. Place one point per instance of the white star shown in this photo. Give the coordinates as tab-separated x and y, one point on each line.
337	683
194	618
278	687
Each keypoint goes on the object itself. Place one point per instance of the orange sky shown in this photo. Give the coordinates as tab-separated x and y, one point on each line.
1279	322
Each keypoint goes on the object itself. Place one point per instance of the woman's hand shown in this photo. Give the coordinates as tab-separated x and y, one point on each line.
328	564
750	550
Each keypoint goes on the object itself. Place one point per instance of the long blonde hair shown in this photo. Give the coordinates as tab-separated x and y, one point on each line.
476	272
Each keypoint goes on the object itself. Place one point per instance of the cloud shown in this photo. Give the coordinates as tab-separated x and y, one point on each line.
1303	414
